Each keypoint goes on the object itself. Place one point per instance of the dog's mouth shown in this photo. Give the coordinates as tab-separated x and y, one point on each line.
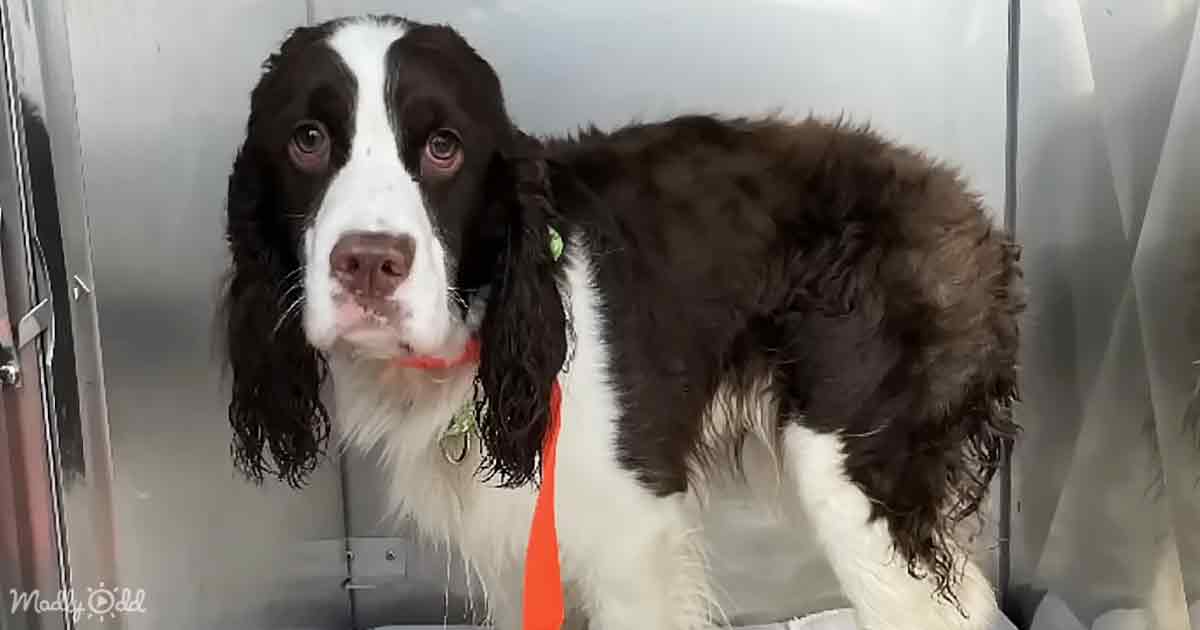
375	338
370	342
367	331
388	330
463	351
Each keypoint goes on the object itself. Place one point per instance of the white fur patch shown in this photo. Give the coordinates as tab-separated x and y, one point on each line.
374	192
635	556
872	574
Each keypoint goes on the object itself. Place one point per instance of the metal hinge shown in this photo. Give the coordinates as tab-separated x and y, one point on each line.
32	325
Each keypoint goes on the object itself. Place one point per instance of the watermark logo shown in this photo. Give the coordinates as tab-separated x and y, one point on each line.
102	603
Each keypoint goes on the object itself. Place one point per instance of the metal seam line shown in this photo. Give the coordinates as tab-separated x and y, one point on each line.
1004	526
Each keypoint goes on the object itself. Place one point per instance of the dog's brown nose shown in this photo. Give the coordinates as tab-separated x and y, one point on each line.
372	264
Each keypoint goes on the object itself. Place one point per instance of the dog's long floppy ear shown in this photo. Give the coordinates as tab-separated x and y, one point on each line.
524	331
275	408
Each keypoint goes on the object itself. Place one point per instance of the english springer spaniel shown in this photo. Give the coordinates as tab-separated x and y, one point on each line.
800	306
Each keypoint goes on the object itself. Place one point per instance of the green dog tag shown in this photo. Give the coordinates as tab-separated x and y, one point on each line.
556	243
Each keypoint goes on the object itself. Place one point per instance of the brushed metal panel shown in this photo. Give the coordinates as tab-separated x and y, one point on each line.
80	436
930	73
161	92
31	551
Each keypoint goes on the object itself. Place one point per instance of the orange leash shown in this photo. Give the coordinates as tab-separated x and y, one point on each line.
543	599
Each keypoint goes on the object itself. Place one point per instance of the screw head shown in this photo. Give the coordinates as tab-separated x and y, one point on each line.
10	374
390	555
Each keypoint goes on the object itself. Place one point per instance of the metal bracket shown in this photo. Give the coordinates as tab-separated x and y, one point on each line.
37	321
375	561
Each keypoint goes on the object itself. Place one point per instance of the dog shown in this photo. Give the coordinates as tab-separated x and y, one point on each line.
802	305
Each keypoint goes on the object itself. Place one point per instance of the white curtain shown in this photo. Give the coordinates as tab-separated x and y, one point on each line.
1106	502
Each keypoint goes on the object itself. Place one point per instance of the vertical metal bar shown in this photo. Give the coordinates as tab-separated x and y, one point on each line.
1010	224
343	480
1010	142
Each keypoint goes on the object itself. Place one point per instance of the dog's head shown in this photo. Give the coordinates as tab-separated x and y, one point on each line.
383	205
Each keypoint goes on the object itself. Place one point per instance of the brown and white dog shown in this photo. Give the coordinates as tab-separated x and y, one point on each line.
826	316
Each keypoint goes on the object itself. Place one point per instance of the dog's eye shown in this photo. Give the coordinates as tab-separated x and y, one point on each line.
309	148
443	153
443	145
309	137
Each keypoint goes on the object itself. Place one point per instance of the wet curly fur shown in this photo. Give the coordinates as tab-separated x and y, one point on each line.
275	406
515	376
863	283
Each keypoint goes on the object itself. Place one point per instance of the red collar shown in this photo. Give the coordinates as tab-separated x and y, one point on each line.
470	354
542	607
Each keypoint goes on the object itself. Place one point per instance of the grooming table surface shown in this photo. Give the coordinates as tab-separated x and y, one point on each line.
841	619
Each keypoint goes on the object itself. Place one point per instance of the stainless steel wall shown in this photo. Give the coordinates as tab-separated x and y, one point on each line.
156	96
928	72
1106	518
